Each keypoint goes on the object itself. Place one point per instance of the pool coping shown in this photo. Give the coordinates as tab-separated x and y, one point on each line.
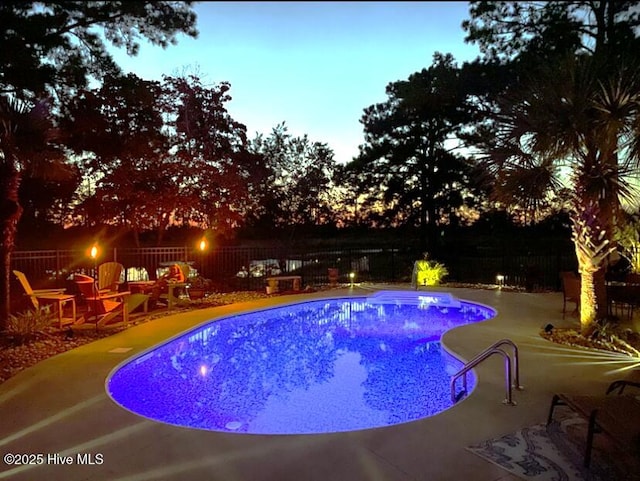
422	298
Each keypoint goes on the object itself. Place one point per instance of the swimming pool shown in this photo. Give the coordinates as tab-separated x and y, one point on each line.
319	366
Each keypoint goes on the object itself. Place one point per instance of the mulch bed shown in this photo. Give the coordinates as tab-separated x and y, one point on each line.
19	354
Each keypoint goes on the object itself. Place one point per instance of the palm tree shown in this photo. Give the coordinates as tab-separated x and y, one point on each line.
577	123
27	133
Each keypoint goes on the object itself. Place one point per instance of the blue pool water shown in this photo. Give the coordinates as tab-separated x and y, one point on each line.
314	367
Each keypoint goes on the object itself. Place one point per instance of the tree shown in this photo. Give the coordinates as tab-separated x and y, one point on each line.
507	31
47	200
27	137
58	47
162	153
296	191
219	171
405	169
578	109
50	51
116	131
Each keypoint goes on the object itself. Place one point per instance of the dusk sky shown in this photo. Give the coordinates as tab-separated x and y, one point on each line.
314	65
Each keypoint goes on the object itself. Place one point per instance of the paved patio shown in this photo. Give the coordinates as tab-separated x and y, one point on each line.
60	407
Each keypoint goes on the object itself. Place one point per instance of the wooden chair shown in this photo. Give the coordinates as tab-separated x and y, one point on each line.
33	294
42	299
102	307
109	276
174	289
570	291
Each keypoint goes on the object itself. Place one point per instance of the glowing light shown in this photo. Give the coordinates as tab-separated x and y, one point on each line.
94	251
352	276
500	280
203	370
203	244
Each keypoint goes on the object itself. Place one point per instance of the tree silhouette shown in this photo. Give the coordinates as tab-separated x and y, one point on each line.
51	51
296	191
406	170
577	109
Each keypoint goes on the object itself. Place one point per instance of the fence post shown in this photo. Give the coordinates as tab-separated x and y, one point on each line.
57	266
393	264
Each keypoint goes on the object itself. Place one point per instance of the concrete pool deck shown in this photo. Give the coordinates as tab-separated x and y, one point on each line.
60	407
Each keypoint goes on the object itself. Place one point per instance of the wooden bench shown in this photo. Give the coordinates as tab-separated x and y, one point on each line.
273	283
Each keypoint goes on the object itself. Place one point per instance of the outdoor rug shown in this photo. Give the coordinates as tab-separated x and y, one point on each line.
548	453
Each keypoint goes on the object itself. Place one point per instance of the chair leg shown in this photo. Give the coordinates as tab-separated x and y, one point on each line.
555	401
590	432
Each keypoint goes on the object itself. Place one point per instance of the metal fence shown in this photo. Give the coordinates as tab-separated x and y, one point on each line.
245	268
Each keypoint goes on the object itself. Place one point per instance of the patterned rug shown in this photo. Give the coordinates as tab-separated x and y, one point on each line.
548	453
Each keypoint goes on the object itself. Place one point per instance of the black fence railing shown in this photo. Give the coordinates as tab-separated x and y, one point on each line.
240	268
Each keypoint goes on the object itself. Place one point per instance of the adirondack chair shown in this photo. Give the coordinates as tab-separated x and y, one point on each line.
43	299
109	276
102	307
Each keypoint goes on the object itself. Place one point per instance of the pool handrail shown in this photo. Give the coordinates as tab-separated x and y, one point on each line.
509	373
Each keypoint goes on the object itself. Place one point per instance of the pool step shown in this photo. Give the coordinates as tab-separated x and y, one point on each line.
415	298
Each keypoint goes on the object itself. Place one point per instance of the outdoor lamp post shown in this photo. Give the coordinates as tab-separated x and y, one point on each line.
93	253
202	246
352	276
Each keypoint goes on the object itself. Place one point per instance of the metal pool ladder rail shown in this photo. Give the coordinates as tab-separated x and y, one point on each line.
510	367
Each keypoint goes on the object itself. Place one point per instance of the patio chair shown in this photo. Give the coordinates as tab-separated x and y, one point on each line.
43	299
102	307
614	414
109	276
34	294
570	291
174	292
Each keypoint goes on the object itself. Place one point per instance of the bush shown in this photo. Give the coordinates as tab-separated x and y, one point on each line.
429	273
24	325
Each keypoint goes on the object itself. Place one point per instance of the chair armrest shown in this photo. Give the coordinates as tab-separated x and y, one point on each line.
38	292
115	295
620	385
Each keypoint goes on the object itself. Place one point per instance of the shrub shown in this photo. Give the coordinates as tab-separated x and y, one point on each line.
429	273
25	325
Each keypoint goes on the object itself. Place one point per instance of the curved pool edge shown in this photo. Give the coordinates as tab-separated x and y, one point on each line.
206	316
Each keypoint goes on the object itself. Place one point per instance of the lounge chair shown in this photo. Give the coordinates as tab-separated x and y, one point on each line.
614	414
109	276
102	307
42	299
